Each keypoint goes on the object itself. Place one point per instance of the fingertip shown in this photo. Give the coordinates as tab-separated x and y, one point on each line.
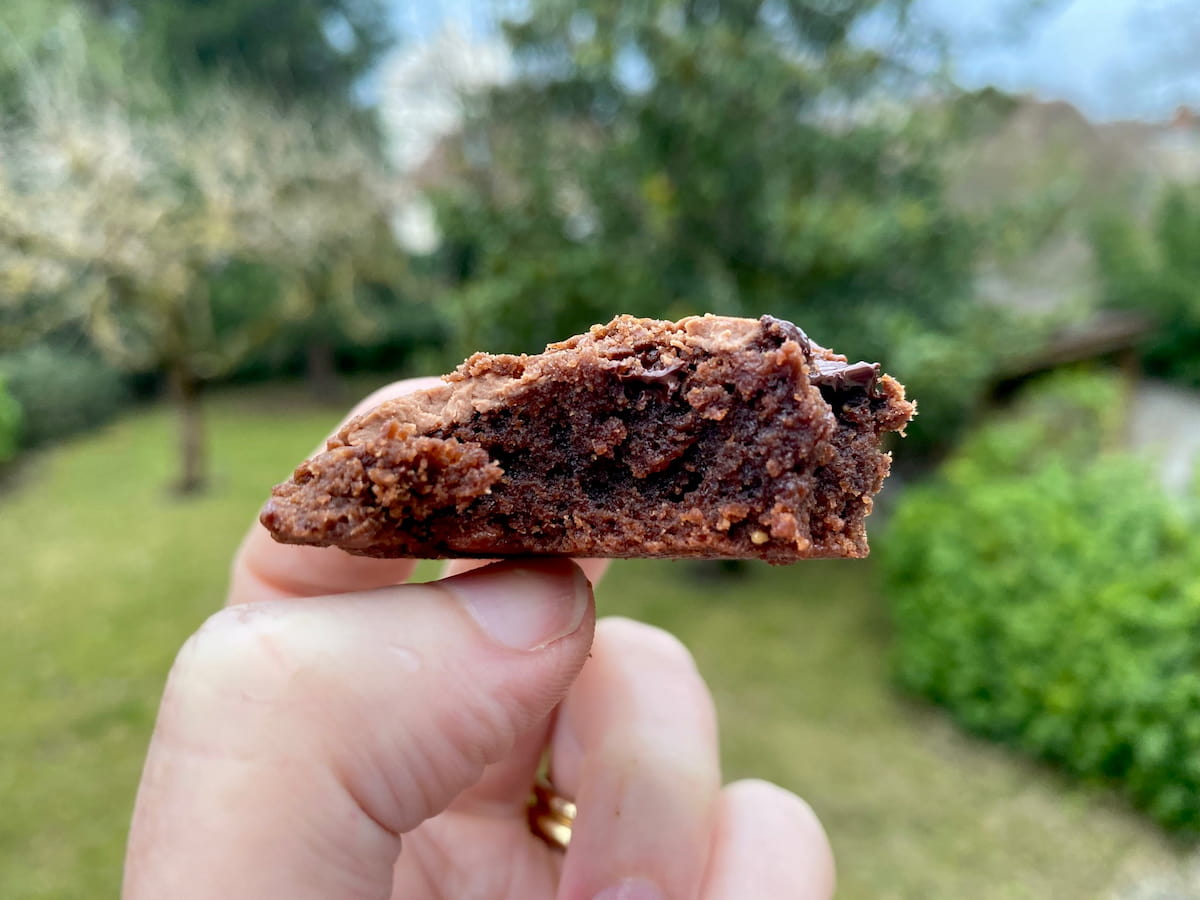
593	569
391	392
526	604
642	639
264	569
765	822
454	567
793	809
551	566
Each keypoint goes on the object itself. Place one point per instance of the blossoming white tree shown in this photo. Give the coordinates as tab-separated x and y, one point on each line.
121	210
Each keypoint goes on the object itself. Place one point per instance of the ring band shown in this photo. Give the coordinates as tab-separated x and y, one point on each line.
551	815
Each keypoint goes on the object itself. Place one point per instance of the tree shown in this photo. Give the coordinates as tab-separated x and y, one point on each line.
734	156
1154	267
178	242
310	53
314	49
30	32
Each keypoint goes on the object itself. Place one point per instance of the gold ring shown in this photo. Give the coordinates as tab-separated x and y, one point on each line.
551	815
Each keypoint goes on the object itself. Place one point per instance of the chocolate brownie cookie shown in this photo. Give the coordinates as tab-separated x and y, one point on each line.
711	437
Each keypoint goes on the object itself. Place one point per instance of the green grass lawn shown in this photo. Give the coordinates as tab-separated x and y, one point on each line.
103	574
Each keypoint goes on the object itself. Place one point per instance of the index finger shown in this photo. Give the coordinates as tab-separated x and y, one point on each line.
264	569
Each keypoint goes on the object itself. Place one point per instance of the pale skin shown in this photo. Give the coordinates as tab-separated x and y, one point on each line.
337	733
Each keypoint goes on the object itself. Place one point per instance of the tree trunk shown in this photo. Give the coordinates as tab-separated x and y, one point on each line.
320	369
185	393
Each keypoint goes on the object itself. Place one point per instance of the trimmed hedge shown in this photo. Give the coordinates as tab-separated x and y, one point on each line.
60	393
1047	593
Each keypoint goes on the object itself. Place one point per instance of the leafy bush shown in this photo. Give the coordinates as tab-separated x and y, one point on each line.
1046	592
10	424
59	392
1154	268
948	370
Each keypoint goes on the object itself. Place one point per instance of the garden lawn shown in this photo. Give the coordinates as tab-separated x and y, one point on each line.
103	574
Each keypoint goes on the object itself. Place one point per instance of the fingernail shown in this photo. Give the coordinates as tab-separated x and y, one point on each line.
524	608
631	889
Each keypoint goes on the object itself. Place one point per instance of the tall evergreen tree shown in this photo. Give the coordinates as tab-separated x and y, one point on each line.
737	156
296	48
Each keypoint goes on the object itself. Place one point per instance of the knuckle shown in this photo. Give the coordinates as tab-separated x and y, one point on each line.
238	647
392	391
480	723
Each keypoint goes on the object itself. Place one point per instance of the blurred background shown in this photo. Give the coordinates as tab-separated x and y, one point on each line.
223	222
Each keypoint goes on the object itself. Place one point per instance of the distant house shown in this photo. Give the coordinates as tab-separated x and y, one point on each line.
1050	151
1050	154
1176	146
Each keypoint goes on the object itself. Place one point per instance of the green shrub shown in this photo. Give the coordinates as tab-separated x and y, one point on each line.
1047	593
10	424
60	393
1153	268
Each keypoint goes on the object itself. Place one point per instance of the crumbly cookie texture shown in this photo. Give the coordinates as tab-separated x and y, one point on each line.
711	437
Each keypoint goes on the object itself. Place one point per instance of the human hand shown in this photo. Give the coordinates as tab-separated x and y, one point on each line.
332	712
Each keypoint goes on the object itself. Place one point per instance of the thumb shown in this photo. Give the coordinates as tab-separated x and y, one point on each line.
298	739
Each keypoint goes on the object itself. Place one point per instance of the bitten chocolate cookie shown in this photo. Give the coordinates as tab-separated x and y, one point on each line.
711	437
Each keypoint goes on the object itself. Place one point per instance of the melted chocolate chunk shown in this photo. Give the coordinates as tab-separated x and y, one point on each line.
847	377
826	368
783	330
657	375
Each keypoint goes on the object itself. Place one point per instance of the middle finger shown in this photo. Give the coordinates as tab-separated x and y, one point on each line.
635	744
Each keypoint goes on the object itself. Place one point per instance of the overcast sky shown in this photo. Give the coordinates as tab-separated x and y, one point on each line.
1112	58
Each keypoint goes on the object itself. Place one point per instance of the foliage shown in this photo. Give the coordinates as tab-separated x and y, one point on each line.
60	392
26	23
666	159
294	48
1044	591
10	423
393	334
132	224
946	369
1156	269
131	214
38	37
